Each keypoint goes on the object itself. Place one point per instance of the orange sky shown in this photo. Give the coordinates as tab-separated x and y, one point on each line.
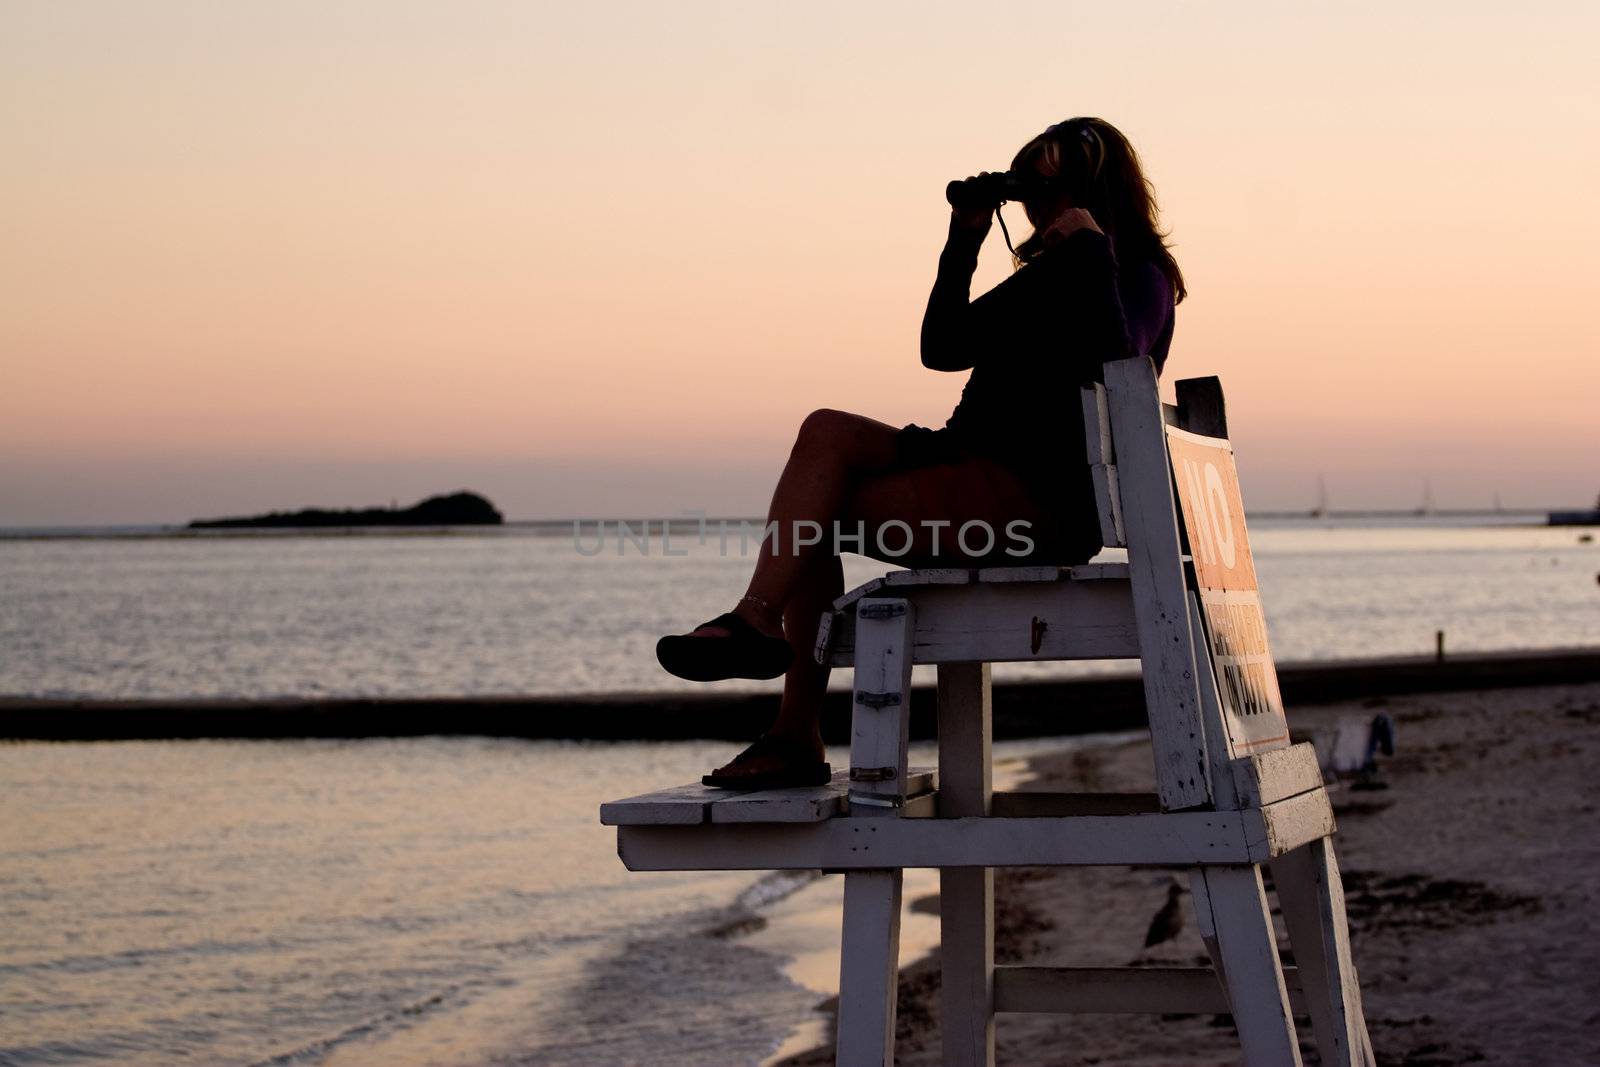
601	259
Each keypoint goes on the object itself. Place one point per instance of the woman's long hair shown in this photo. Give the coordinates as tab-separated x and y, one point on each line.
1097	167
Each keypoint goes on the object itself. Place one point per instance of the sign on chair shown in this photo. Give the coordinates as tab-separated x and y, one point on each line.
1230	600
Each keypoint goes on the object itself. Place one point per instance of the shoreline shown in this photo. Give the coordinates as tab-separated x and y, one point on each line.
1472	901
1102	704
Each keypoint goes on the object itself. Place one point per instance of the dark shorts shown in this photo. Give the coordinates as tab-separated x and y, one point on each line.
1070	527
918	446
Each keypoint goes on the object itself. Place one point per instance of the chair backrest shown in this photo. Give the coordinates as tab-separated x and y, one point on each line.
1209	675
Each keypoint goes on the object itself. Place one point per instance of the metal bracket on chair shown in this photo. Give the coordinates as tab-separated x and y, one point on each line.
880	609
871	774
871	800
878	700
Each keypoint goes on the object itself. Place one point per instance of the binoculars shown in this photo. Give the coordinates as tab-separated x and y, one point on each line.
992	189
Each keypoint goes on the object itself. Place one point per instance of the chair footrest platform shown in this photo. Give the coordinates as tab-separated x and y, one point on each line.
716	841
696	804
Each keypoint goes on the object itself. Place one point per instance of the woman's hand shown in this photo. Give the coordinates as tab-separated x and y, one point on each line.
1066	224
971	215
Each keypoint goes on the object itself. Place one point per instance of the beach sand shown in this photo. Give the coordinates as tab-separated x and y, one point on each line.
1472	880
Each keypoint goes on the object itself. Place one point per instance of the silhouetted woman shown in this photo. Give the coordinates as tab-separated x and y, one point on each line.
1095	282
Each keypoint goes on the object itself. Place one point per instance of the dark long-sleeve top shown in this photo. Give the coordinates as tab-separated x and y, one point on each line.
1032	340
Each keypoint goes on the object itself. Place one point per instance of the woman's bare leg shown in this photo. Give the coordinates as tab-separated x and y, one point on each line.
833	451
806	682
957	493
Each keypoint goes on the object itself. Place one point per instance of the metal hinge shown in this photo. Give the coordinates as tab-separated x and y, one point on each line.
878	700
871	774
881	609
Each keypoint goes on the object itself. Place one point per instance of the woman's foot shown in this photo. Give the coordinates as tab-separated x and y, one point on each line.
774	762
768	623
743	643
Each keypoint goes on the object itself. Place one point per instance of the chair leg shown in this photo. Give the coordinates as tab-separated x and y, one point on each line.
868	967
1319	937
1232	908
880	716
966	894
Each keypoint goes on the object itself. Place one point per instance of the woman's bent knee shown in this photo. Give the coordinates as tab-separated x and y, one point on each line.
824	425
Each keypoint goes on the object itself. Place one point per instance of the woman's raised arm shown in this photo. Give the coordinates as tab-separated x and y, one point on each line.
945	344
1079	276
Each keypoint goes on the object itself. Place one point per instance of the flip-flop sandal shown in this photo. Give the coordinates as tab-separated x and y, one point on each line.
803	767
745	653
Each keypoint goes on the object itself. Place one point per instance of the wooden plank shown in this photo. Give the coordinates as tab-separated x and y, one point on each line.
696	803
1312	896
1041	805
1224	793
868	968
1111	570
679	806
1278	774
928	576
881	713
1108	504
800	804
805	803
966	895
865	589
905	577
1012	621
1200	406
1232	909
1160	597
1183	839
1096	424
1287	824
905	581
1082	572
820	650
1119	990
1023	574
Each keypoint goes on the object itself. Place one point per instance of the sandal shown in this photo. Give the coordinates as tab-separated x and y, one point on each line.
802	768
745	653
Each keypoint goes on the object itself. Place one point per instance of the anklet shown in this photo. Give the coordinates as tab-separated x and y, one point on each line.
758	602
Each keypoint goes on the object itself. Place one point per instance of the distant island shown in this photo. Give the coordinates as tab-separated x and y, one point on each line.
454	509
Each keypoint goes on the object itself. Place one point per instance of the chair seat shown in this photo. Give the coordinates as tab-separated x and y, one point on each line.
902	580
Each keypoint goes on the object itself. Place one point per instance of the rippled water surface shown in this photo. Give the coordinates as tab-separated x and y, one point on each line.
524	612
279	902
418	903
455	902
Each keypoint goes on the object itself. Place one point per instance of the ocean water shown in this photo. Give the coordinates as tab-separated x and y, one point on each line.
530	610
439	902
424	902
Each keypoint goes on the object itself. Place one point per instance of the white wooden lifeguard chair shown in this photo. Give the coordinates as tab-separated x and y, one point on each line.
1232	792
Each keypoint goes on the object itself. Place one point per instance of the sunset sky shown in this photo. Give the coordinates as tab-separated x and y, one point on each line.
600	259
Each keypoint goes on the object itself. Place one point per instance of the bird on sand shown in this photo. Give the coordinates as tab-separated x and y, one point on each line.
1168	921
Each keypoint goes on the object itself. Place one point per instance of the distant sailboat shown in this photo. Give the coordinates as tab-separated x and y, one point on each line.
1426	507
1321	509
